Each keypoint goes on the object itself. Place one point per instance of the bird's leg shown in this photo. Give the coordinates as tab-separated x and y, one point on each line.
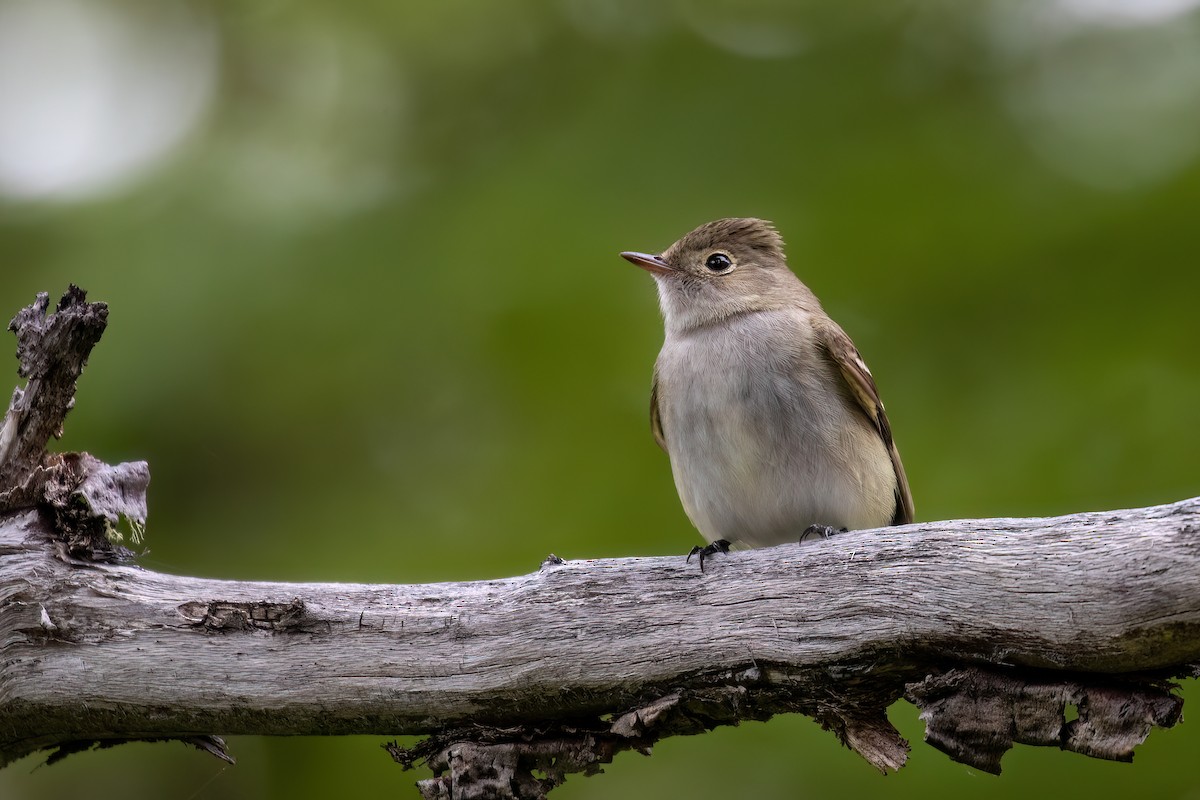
719	546
824	531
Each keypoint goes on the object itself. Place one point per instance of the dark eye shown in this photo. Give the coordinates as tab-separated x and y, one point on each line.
718	262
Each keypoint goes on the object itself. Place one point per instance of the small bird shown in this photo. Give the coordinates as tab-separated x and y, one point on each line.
770	416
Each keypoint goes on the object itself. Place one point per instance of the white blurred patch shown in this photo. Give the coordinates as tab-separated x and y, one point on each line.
750	28
92	96
1104	97
1124	12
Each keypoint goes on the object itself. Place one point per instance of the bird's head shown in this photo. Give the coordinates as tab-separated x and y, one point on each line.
723	268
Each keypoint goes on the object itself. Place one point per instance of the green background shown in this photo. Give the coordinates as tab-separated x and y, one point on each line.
368	322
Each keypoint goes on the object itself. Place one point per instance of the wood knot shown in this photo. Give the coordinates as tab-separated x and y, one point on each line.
225	615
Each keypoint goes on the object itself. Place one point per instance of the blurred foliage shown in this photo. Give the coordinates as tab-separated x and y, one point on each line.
368	322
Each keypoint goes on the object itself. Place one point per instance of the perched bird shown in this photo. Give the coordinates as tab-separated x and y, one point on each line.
772	421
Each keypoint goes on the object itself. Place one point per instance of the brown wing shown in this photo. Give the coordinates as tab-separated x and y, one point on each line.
656	415
862	386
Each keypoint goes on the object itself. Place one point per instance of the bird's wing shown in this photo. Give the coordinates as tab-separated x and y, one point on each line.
845	355
656	415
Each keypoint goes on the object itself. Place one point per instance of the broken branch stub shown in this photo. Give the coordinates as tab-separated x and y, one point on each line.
52	351
86	499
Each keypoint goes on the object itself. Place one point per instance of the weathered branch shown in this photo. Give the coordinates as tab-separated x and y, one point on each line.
52	351
996	628
1017	618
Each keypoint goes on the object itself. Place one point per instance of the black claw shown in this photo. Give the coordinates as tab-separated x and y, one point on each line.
824	531
719	546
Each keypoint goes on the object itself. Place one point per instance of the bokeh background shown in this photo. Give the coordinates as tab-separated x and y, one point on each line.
368	322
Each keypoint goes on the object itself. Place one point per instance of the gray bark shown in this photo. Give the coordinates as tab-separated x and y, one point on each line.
1062	610
52	351
995	628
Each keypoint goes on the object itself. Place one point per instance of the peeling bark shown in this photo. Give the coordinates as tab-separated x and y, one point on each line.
993	627
975	716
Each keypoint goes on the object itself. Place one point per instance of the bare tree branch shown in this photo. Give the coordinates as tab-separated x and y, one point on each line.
1015	618
1062	631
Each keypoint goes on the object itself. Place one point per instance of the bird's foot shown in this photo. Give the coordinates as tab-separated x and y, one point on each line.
719	546
824	531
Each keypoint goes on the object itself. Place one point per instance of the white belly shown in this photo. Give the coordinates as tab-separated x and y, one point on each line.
761	449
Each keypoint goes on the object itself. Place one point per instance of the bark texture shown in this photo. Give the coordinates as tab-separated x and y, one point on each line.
1061	631
993	627
51	352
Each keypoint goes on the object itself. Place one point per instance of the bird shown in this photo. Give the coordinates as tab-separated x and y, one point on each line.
769	415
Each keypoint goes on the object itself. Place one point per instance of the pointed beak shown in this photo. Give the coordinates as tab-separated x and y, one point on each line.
652	264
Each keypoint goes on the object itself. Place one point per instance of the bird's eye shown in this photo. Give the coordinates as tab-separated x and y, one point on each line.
718	262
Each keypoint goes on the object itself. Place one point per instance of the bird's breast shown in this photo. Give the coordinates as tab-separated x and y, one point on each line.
762	440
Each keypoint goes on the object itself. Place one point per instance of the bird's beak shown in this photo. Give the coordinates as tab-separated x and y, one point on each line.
652	264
